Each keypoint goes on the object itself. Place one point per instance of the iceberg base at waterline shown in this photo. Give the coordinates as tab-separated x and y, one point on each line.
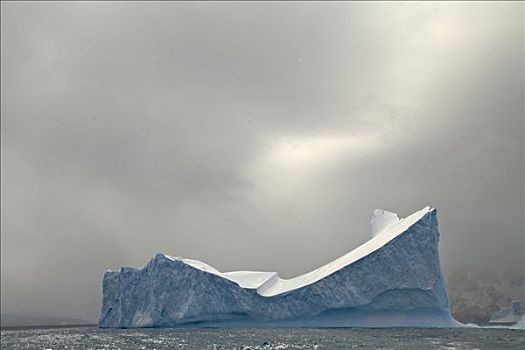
392	280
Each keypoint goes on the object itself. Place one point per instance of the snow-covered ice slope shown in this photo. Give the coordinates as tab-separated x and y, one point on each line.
394	279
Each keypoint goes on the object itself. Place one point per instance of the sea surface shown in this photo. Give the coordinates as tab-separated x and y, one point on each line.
296	338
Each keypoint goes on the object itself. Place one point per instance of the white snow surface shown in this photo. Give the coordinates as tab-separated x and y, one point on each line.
385	227
249	279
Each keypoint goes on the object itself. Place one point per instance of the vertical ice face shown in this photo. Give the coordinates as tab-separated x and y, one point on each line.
381	219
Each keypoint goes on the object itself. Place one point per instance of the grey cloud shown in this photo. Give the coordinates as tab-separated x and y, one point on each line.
132	128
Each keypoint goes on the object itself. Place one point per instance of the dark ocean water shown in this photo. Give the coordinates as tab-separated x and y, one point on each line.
297	338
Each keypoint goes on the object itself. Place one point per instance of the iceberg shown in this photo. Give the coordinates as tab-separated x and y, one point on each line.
392	280
511	315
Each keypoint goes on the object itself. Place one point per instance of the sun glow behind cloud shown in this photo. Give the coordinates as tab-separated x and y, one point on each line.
290	164
290	151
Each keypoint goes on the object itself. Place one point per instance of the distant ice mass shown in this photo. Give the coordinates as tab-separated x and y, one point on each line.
392	280
512	316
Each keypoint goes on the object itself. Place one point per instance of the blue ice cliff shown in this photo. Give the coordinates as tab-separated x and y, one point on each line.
392	280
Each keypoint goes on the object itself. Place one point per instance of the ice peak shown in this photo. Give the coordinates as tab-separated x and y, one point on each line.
381	219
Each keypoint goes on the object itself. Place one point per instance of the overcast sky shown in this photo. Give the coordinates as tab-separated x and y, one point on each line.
251	136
